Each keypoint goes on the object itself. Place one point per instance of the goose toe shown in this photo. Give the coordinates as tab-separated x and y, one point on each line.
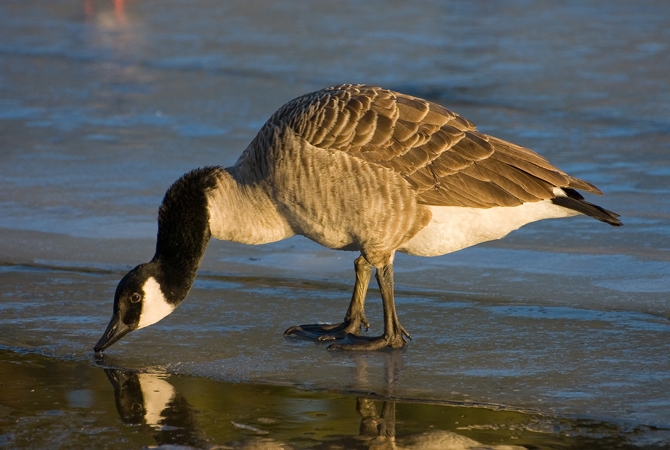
365	343
328	332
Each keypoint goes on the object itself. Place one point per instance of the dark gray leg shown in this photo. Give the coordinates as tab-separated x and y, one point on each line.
394	333
354	319
355	315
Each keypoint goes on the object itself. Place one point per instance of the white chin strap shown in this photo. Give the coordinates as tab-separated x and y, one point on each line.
154	304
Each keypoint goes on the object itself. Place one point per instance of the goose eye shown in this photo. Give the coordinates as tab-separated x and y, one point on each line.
135	298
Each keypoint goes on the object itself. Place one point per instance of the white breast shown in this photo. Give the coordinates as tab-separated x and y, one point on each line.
453	228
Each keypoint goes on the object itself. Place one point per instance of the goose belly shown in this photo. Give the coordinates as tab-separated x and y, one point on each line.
453	228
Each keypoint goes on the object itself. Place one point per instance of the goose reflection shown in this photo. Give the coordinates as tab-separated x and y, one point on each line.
149	402
377	431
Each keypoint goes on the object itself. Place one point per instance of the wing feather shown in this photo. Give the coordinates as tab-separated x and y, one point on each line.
439	153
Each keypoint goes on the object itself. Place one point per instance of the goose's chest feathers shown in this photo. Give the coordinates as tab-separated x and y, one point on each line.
453	228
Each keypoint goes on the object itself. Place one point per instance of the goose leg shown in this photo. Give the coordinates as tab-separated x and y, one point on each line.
353	320
394	333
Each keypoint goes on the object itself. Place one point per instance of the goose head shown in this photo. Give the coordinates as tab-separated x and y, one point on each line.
151	291
141	299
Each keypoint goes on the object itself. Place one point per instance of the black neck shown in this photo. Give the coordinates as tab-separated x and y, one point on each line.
183	231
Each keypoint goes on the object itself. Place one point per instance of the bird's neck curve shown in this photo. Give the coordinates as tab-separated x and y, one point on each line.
183	232
242	209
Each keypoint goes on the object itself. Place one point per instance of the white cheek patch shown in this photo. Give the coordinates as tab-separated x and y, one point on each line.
155	306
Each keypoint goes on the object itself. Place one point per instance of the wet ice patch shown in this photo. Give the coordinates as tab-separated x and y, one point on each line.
627	319
80	398
199	130
639	284
14	111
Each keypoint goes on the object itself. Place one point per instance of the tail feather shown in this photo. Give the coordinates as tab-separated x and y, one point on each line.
576	202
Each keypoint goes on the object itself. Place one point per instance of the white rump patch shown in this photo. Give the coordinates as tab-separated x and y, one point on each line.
453	228
154	305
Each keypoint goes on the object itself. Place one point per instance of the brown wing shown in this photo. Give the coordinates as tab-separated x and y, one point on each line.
438	152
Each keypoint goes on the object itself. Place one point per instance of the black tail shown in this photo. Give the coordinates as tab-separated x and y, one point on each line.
576	202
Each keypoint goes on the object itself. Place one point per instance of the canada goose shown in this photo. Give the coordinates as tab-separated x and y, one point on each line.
351	167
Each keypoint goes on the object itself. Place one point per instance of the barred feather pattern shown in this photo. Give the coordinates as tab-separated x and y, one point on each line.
362	167
439	153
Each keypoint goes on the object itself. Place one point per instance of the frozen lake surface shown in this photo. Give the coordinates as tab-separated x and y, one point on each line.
104	104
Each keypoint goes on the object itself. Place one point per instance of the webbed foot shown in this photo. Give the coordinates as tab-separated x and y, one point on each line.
396	339
329	332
